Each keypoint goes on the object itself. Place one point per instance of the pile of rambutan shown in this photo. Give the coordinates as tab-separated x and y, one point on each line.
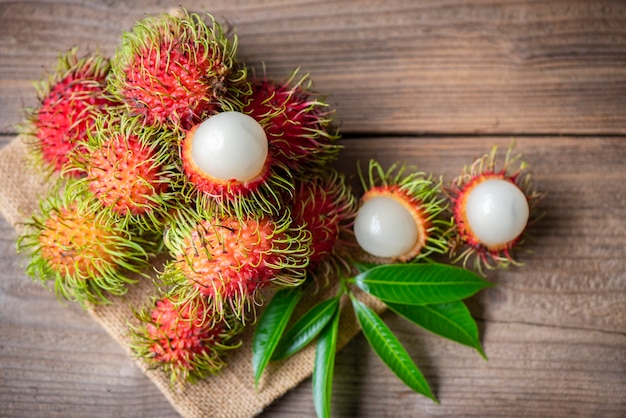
175	146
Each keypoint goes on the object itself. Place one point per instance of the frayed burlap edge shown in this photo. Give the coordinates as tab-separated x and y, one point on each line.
231	393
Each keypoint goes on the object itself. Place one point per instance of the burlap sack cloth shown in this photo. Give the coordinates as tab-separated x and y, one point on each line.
231	393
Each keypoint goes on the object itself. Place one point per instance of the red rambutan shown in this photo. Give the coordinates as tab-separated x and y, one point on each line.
298	122
177	70
325	206
181	338
70	100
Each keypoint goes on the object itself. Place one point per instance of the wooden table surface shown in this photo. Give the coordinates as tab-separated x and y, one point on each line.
428	82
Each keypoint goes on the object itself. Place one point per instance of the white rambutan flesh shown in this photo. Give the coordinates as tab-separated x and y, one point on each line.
496	211
230	146
385	228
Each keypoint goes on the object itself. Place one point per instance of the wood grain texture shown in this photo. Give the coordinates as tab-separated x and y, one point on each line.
430	83
396	66
553	331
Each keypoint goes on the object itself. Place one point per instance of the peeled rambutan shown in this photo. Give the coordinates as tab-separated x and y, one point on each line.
399	216
89	257
491	209
182	338
176	70
130	170
70	100
227	259
325	206
227	159
298	122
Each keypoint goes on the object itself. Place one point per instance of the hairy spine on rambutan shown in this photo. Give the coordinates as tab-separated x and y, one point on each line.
227	259
130	171
511	204
176	70
88	256
325	205
182	338
399	218
70	100
297	120
227	159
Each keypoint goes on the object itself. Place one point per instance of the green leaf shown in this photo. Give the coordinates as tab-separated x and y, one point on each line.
324	367
270	328
390	350
451	320
362	266
420	284
306	328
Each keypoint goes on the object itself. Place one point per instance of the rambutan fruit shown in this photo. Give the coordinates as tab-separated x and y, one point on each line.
89	257
227	158
298	122
70	100
176	70
399	216
227	259
182	339
130	170
325	206
491	209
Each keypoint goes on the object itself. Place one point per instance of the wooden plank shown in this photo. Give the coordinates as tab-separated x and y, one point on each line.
553	330
392	66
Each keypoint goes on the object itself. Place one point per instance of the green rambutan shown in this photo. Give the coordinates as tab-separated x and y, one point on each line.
298	122
182	338
491	209
399	216
89	257
176	70
130	170
325	206
70	100
227	259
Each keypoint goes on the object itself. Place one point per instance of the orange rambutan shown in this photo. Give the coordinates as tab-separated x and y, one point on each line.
87	256
130	170
227	259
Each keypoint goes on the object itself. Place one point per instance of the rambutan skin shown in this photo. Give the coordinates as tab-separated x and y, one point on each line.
175	71
87	256
182	338
71	99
